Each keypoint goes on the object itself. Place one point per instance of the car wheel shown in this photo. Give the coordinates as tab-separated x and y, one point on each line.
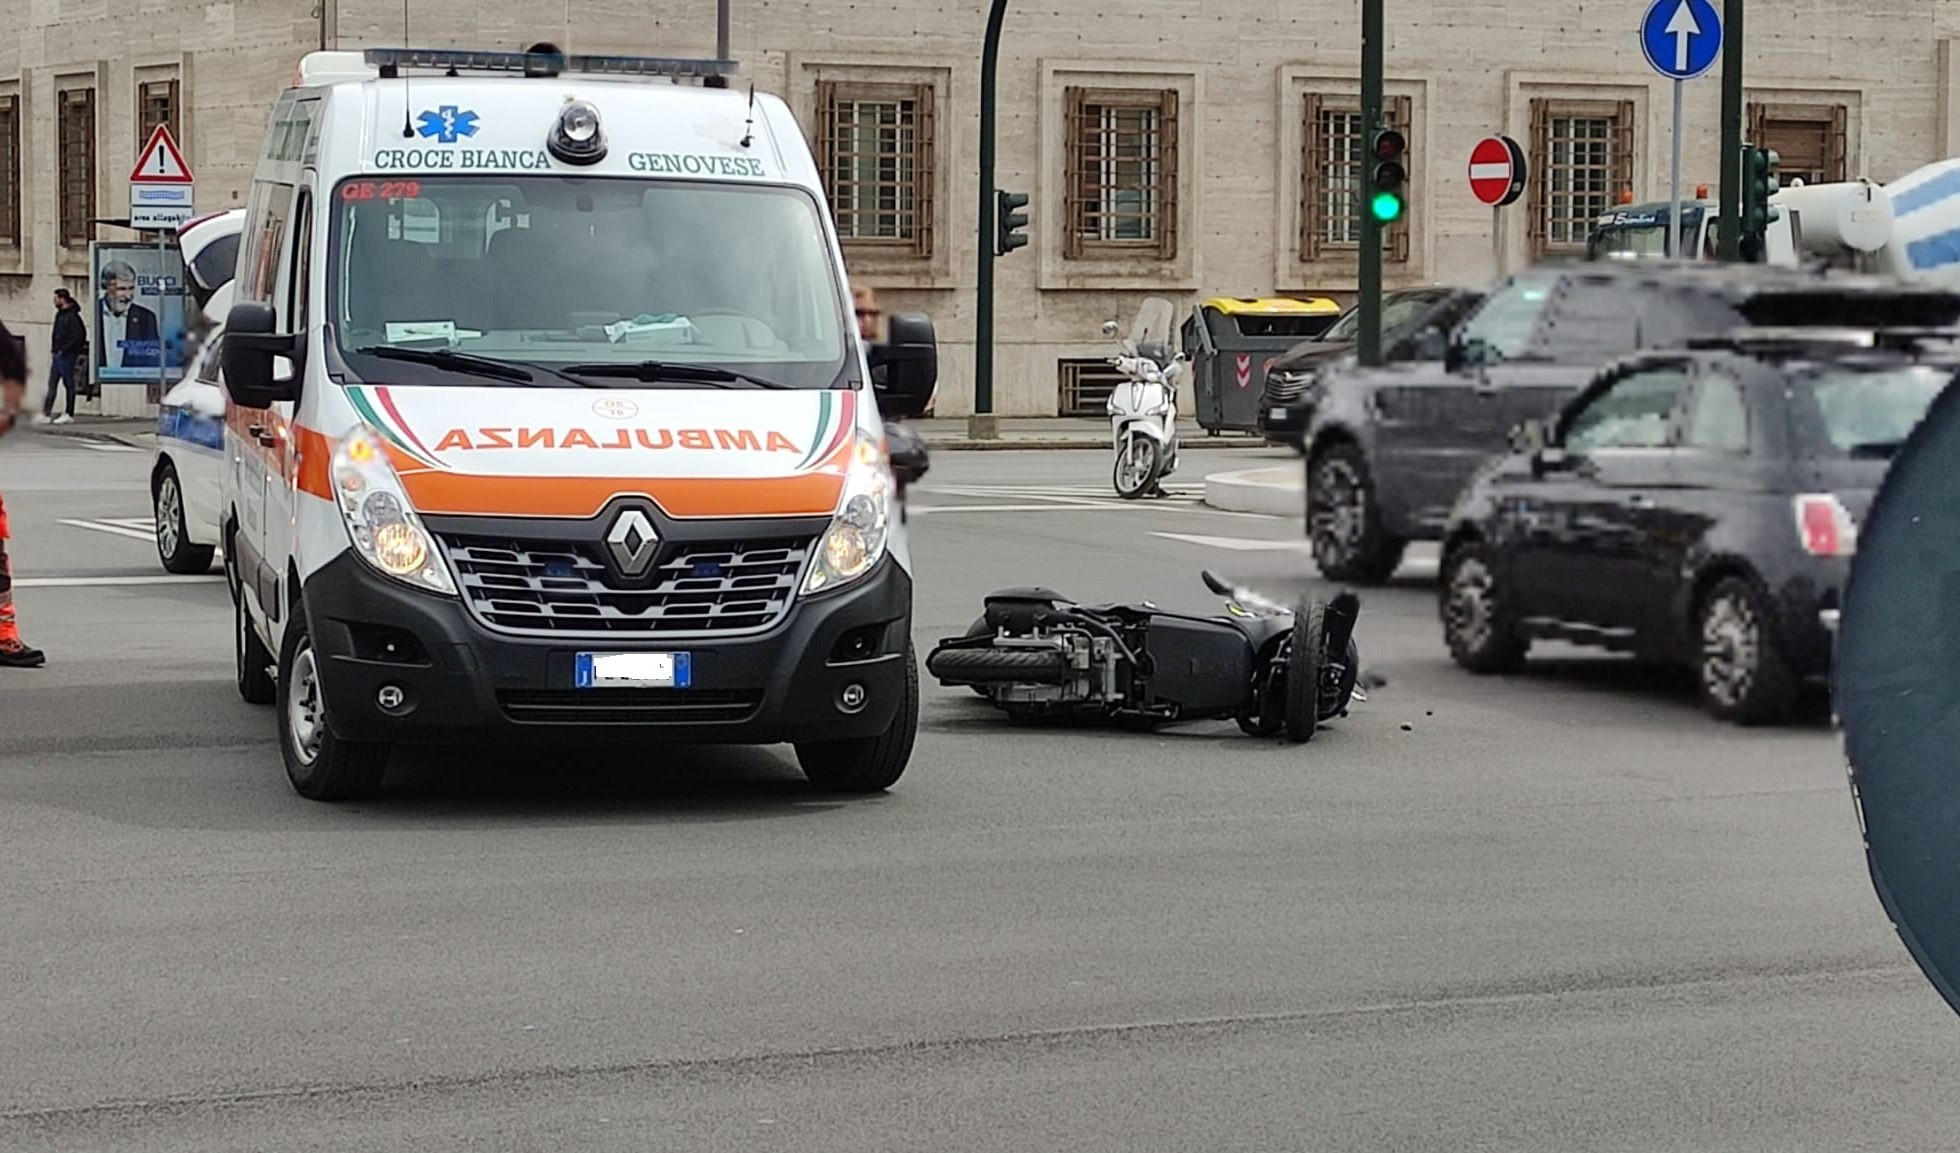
1344	522
1743	674
321	766
174	547
255	684
868	764
1479	621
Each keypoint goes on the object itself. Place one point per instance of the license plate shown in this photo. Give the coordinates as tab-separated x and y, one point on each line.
632	671
1278	414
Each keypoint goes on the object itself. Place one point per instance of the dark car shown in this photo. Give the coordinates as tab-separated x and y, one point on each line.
1391	447
1695	507
1414	324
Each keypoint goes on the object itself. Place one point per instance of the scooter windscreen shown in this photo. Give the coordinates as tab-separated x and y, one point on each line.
1150	333
1896	688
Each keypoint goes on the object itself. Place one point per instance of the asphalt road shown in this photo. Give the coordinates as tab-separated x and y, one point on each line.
1557	912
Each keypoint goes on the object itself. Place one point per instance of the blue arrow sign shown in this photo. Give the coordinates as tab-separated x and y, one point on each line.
1681	38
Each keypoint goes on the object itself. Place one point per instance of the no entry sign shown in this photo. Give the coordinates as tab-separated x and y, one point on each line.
1497	170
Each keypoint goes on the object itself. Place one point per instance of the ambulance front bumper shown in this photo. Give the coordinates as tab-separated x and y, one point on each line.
402	666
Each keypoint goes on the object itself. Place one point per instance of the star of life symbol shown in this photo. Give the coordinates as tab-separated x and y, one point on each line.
633	542
447	123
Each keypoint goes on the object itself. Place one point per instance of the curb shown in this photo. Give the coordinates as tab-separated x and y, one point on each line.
84	432
1077	444
1272	491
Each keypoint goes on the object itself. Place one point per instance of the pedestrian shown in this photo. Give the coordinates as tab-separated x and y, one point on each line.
70	342
13	395
865	299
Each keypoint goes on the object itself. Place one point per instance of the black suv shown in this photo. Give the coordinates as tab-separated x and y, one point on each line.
1414	324
1392	446
1696	507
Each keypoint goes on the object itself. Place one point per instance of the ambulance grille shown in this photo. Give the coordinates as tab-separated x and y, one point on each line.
563	588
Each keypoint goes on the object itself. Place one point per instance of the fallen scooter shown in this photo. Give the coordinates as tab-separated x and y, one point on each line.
1275	670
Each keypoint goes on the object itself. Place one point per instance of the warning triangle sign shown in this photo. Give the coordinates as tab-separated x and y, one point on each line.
160	162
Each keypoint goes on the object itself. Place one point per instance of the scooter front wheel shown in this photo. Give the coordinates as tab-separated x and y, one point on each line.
1139	460
1304	662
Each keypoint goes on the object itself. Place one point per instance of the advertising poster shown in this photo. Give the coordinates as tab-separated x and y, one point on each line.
139	313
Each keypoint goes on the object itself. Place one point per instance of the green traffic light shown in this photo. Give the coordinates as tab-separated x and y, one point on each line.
1386	206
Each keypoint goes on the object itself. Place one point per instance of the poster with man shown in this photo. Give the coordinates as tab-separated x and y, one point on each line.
140	313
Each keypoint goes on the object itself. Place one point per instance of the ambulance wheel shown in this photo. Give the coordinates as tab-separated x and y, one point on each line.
321	766
868	764
255	684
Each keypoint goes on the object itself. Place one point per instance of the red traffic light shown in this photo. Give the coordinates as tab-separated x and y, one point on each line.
1389	145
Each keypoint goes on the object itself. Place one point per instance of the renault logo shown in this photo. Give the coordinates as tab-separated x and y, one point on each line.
632	542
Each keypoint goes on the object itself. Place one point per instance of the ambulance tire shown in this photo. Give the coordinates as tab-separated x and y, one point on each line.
321	766
868	764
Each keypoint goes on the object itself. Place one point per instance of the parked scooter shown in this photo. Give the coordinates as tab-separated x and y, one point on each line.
1143	408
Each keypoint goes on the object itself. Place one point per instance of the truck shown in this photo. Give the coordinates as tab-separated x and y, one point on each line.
1846	224
1909	228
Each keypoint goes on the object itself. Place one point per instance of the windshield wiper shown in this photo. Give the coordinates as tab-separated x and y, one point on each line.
655	370
1876	449
453	361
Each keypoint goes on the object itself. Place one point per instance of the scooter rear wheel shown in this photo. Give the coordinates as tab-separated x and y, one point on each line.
1139	461
1303	665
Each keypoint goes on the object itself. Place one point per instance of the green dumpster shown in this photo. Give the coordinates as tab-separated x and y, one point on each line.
1232	340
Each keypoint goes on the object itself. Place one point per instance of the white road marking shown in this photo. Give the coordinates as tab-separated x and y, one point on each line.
114	528
1415	566
108	581
1237	544
109	446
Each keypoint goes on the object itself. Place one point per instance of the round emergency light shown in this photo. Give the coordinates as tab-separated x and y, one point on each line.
576	139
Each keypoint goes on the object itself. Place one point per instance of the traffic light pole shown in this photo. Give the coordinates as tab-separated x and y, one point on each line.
1368	343
983	424
1731	206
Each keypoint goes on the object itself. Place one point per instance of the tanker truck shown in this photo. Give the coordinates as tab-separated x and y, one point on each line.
1847	224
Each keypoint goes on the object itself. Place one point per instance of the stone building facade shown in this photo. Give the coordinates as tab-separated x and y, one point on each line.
1186	148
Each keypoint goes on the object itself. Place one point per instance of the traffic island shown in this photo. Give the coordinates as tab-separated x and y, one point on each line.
1271	491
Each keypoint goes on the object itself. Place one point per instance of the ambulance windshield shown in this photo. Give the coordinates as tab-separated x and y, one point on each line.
553	269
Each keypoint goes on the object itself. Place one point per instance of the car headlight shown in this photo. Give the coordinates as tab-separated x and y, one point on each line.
383	526
855	541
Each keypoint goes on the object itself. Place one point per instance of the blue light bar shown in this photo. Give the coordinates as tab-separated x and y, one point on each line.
391	60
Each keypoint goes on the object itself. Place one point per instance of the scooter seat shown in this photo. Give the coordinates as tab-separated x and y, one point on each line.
1026	593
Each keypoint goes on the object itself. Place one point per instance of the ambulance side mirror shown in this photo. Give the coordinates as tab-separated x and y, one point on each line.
262	366
905	367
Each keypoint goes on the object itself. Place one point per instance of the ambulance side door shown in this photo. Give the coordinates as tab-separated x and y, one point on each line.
246	428
282	479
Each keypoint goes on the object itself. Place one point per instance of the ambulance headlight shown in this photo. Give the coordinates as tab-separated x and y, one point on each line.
861	527
577	139
382	524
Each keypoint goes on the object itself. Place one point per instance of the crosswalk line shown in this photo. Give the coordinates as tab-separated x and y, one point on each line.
1235	544
113	528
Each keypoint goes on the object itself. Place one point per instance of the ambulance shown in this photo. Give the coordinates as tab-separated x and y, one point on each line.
549	423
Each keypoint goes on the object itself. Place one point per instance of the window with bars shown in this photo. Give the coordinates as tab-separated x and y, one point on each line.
1581	162
1082	387
10	170
75	161
1810	140
156	103
875	144
1333	147
1122	174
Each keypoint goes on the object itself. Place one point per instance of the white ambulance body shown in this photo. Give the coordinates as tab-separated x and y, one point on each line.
550	422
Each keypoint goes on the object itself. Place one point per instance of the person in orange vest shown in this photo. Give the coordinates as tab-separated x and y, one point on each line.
13	394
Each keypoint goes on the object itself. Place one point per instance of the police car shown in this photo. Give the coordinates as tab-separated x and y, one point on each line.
187	471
